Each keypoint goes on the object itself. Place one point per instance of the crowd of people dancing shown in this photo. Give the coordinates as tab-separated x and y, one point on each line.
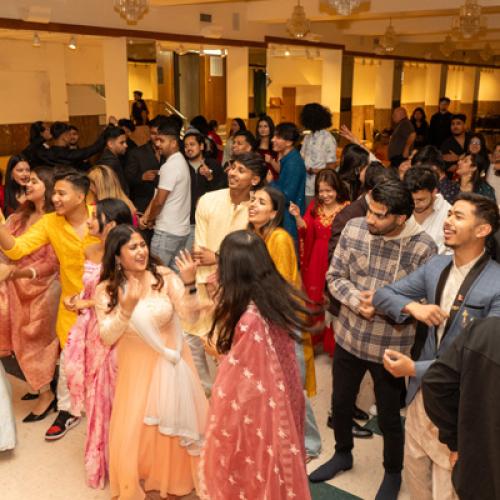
176	294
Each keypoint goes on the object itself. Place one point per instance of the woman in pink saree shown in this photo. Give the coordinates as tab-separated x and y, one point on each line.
90	364
254	446
29	295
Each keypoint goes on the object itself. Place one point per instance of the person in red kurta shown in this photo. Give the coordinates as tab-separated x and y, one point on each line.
315	228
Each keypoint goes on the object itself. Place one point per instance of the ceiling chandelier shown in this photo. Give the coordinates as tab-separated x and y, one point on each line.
389	41
298	25
344	7
131	10
469	22
447	47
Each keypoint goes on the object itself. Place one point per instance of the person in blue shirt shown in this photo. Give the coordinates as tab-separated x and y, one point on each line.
292	177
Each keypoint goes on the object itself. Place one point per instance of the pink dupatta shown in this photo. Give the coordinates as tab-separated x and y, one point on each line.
254	441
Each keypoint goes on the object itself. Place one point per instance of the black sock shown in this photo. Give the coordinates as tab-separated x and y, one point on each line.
339	462
390	486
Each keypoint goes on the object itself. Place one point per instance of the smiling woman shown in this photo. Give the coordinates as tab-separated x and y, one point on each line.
29	297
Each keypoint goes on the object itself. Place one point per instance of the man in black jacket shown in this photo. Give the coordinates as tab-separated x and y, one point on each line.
60	153
439	128
460	393
142	167
116	147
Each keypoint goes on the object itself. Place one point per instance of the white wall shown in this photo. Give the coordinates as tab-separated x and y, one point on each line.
297	72
83	100
33	81
414	83
489	85
363	88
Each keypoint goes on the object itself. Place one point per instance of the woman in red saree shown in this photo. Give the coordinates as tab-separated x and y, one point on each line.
254	446
315	229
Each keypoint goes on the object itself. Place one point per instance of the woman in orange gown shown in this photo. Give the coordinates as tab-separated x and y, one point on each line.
159	410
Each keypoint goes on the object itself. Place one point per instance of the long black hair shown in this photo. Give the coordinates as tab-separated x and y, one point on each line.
112	272
247	274
112	210
354	159
36	130
46	175
12	187
270	123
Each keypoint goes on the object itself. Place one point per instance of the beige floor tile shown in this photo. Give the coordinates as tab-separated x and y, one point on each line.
37	470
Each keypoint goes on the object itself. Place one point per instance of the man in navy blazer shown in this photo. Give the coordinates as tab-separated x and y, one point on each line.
456	289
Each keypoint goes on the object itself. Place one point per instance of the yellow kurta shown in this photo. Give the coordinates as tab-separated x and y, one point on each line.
69	248
282	250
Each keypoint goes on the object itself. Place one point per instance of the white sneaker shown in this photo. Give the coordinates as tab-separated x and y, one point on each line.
373	410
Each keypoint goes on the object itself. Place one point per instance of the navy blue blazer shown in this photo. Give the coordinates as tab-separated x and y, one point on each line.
482	299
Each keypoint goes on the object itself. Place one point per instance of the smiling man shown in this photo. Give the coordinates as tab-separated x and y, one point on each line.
373	251
458	289
218	214
66	230
431	209
170	208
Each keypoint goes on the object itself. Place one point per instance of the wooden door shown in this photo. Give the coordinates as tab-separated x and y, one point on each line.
288	110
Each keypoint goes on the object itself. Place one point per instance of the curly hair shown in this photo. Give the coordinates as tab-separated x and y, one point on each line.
315	117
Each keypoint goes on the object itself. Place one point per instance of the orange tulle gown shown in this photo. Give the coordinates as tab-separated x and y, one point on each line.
143	458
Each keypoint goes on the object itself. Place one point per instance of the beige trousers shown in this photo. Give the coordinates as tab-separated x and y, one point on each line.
427	465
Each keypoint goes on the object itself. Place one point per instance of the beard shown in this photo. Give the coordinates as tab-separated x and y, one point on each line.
381	232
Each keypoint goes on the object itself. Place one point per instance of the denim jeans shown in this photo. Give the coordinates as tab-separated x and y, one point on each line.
166	247
190	241
312	437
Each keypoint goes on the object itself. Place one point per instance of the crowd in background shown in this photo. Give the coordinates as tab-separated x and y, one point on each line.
176	293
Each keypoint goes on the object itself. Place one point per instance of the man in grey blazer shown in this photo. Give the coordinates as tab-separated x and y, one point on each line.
456	289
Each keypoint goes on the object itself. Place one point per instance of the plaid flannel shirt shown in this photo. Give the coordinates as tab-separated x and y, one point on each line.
366	262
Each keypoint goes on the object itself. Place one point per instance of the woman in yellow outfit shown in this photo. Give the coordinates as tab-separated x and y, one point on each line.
265	215
66	230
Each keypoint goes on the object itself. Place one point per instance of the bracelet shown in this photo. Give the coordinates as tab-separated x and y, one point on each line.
192	283
33	273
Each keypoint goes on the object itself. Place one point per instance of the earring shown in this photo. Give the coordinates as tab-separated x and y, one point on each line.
118	266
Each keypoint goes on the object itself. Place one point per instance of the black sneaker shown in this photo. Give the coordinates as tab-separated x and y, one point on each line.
62	424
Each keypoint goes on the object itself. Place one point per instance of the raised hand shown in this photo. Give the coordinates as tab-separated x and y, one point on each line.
128	299
187	267
347	134
294	209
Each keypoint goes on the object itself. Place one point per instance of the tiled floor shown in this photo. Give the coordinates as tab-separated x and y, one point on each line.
37	470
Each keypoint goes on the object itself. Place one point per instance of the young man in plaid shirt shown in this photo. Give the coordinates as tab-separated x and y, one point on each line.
373	251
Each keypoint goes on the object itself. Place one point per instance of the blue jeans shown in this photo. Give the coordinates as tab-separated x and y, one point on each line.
166	247
312	437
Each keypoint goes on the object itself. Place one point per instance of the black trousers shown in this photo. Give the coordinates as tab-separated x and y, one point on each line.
348	372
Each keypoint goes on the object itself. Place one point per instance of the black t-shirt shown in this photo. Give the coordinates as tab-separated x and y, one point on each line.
137	109
439	129
452	145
